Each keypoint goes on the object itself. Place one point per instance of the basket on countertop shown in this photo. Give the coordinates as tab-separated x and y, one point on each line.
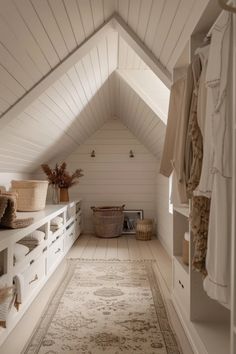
144	229
31	194
108	221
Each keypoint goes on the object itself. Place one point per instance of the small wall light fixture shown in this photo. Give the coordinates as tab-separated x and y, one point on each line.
93	153
131	154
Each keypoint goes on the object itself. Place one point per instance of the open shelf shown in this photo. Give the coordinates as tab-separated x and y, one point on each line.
183	265
182	210
215	336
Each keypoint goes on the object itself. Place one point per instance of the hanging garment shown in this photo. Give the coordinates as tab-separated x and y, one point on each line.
194	134
217	282
199	223
203	54
200	206
218	79
173	156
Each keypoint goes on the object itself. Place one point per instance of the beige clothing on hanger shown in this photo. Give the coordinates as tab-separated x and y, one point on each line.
173	156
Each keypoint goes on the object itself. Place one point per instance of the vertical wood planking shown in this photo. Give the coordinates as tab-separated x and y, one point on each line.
75	20
62	20
47	19
127	181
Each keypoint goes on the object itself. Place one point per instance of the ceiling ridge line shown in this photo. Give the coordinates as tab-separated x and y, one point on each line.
114	23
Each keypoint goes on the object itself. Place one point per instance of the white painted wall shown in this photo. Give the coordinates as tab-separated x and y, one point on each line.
164	217
112	178
6	178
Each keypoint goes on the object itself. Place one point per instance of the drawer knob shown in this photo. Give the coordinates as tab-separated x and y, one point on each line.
35	278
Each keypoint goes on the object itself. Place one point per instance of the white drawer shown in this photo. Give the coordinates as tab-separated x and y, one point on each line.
181	285
70	237
55	252
33	276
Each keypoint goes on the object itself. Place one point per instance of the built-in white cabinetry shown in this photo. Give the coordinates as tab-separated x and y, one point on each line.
206	322
210	327
37	265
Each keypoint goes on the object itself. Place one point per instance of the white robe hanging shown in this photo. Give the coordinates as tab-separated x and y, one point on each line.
217	169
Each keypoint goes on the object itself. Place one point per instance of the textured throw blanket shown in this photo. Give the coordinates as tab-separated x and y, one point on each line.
8	213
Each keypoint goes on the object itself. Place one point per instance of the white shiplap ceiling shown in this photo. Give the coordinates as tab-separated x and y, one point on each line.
37	37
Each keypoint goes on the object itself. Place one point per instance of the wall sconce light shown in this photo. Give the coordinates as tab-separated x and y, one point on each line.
93	153
131	154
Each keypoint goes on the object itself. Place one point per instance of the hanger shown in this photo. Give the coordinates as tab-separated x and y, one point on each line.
224	6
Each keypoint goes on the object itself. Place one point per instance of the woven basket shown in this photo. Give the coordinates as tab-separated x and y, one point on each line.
31	195
144	229
108	221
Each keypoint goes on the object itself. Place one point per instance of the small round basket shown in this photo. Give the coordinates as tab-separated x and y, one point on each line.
144	229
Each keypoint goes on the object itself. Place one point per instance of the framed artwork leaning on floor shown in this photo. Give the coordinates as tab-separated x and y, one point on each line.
130	220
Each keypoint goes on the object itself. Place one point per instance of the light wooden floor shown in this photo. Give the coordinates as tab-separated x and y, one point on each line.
125	247
89	247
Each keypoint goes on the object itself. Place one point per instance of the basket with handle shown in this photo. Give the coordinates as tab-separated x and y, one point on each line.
108	221
31	194
144	229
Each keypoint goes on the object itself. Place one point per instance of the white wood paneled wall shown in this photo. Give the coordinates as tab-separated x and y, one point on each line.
139	118
66	114
6	178
112	177
163	216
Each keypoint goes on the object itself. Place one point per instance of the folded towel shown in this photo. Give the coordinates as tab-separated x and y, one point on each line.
7	295
19	252
19	288
54	228
8	213
57	221
36	237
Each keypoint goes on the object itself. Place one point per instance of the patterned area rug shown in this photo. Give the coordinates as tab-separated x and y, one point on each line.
108	307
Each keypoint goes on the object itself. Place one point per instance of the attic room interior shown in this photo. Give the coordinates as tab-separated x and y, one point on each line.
117	176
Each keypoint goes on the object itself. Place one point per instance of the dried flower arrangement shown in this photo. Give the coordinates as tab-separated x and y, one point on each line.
60	177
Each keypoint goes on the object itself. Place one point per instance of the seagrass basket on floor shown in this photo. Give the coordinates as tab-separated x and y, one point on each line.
108	221
31	194
144	229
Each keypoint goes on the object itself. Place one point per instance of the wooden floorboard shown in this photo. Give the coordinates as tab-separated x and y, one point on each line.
101	249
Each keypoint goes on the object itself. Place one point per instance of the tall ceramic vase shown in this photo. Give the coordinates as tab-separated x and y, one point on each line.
64	195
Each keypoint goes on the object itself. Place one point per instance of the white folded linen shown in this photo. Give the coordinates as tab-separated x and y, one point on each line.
7	302
35	237
19	287
56	221
54	228
19	252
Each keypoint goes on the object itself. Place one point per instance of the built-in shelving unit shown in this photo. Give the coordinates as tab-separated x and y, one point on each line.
209	326
38	265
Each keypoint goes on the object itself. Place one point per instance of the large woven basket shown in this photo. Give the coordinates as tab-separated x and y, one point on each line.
31	194
108	221
144	229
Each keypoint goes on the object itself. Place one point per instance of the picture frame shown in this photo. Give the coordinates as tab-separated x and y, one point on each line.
130	220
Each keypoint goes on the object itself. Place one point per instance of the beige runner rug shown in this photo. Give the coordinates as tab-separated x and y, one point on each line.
109	307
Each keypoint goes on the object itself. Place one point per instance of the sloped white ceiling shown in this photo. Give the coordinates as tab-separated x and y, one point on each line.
37	37
138	117
65	115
